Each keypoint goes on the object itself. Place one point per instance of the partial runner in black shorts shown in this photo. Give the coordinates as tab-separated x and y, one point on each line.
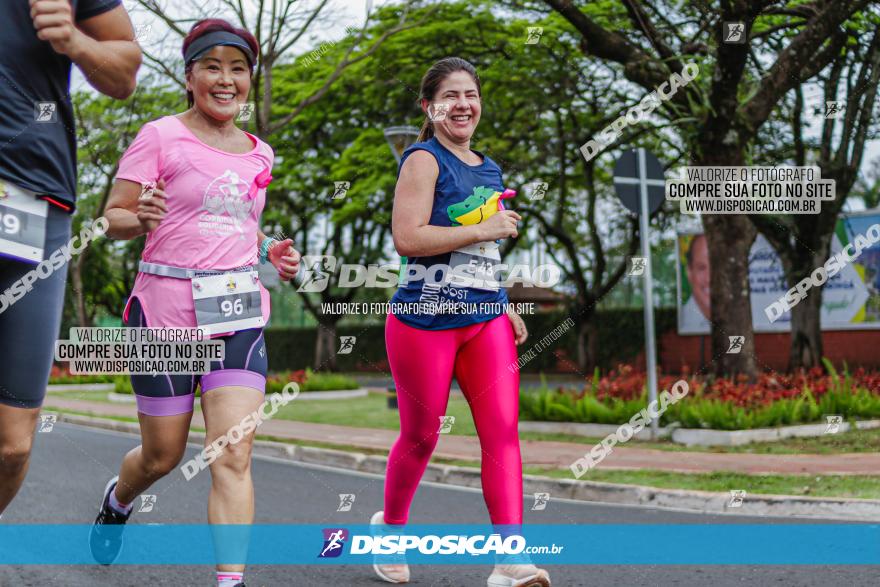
29	323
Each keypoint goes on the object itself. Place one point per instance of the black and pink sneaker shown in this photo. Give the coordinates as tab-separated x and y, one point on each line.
105	538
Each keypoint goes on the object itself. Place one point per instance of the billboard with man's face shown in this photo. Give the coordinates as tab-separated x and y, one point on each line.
850	298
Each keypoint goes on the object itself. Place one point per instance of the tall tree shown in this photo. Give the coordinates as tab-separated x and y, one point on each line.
343	142
746	82
545	97
803	242
278	25
537	100
281	27
100	278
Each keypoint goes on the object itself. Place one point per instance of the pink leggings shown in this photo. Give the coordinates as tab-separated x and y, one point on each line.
422	364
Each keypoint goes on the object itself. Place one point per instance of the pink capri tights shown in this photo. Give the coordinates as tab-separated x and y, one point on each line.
422	364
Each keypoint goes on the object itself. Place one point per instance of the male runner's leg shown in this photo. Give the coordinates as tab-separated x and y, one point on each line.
28	331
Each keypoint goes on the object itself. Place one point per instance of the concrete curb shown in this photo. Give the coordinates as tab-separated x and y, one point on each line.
697	436
584	429
331	395
863	510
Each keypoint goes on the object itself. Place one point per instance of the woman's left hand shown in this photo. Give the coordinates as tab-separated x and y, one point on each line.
519	327
285	259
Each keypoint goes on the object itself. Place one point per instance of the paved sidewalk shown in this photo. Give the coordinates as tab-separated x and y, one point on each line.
540	453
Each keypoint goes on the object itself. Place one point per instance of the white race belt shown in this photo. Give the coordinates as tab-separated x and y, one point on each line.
22	223
224	301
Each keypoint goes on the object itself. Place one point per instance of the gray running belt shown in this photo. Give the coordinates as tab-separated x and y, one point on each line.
183	273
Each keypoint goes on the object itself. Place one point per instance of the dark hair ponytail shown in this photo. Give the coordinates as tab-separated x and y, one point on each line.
431	83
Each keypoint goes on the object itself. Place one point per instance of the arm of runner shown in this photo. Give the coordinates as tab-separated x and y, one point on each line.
520	332
413	201
102	46
131	215
283	257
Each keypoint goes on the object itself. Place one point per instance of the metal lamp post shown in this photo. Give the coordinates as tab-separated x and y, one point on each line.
399	138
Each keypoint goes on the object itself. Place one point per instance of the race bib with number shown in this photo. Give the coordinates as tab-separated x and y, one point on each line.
228	302
22	224
475	266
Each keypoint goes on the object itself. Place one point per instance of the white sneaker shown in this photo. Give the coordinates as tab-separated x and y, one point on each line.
518	576
393	568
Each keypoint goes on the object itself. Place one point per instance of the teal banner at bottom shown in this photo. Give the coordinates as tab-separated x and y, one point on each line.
293	544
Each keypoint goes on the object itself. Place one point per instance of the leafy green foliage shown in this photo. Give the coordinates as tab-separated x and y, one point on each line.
695	411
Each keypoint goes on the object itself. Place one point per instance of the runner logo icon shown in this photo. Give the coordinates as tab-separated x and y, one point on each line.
334	540
47	422
316	272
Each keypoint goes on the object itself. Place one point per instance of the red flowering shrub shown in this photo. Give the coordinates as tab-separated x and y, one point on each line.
299	377
626	383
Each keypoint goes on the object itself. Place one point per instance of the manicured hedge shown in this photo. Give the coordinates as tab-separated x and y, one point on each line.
291	349
621	337
721	404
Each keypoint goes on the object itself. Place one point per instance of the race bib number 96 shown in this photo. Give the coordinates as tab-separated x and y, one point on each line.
228	302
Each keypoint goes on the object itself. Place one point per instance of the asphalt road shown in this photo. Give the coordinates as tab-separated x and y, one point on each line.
71	464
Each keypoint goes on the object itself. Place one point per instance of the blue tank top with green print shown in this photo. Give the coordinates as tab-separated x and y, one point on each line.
464	194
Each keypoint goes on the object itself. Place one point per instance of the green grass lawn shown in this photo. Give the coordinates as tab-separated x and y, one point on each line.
855	441
853	486
372	412
862	486
369	412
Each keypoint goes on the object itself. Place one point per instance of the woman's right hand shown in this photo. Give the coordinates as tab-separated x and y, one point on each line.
152	207
500	225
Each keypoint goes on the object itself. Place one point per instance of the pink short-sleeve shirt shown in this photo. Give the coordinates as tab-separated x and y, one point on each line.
214	204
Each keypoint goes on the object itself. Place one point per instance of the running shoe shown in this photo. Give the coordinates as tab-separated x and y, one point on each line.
518	576
105	537
390	567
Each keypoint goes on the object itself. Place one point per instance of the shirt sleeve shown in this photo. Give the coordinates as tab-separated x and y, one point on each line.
88	8
142	161
412	149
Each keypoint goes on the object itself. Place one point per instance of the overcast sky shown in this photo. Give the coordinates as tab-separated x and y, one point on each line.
345	13
351	13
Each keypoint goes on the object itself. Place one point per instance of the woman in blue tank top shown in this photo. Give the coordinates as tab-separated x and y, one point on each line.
449	315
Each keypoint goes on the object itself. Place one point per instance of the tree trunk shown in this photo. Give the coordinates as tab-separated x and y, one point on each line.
729	238
806	334
75	269
582	343
325	347
592	334
587	336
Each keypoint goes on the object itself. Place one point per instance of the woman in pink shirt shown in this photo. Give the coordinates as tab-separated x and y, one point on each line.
195	184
